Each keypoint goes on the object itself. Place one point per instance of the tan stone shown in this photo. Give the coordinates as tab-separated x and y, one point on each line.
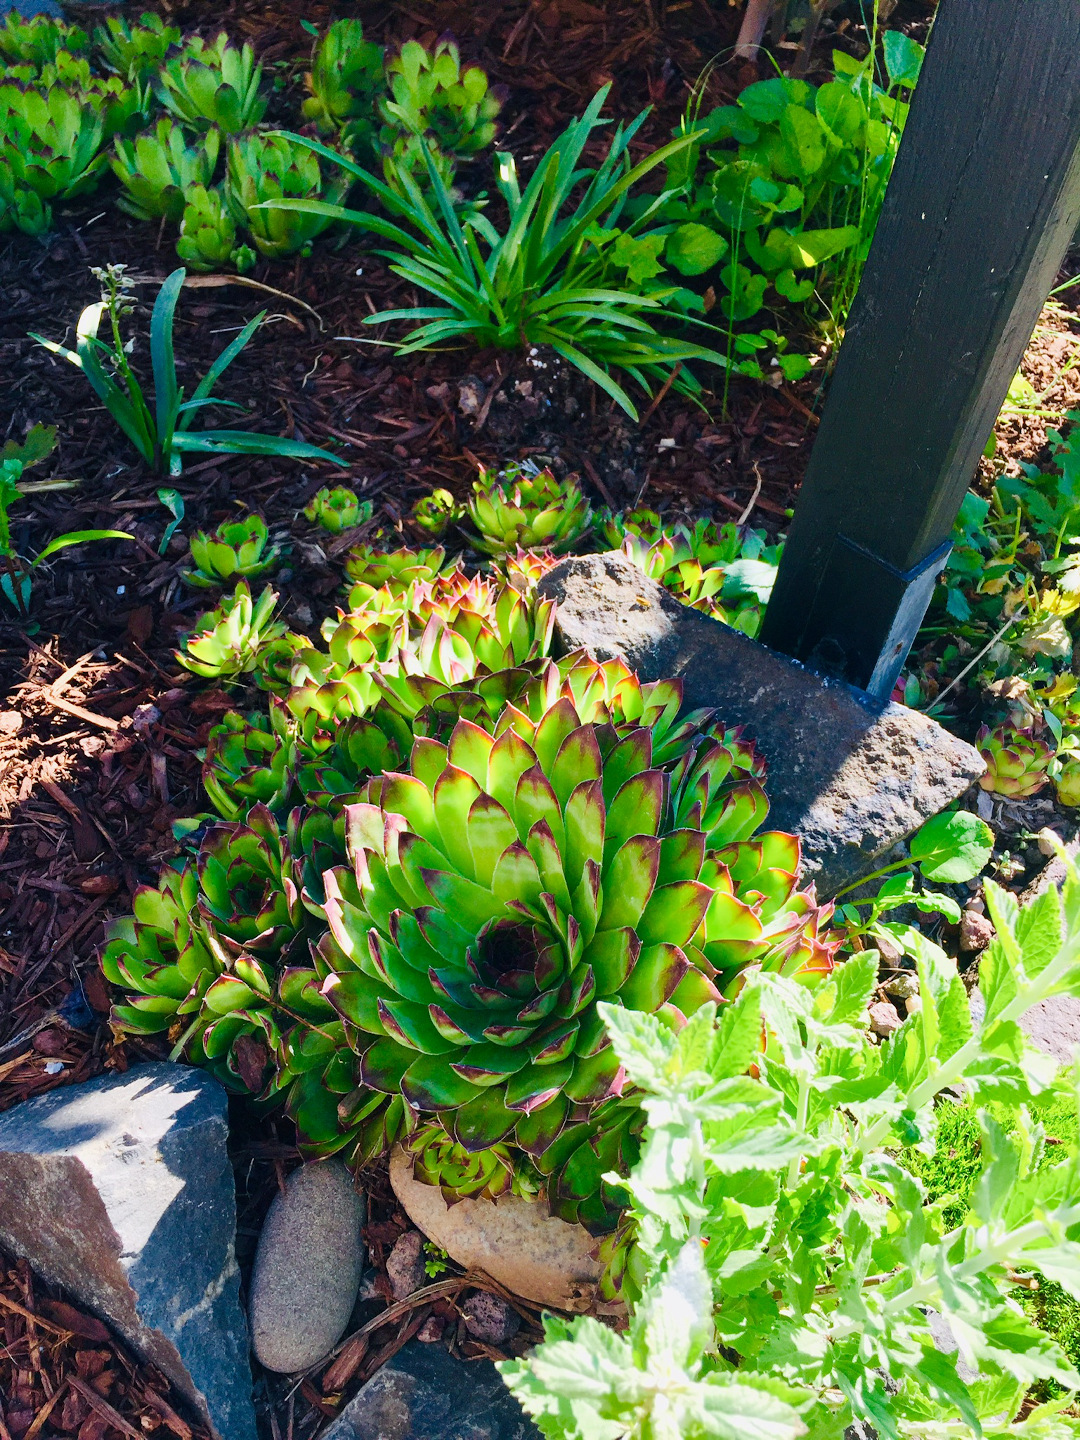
515	1241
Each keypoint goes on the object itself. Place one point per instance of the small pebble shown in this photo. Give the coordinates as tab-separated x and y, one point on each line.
143	717
431	1330
976	932
884	1020
489	1318
902	985
913	1004
470	395
405	1264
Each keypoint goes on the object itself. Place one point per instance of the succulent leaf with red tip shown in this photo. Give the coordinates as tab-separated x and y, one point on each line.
1017	760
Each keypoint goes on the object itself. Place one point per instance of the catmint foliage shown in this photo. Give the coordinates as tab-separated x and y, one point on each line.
790	1272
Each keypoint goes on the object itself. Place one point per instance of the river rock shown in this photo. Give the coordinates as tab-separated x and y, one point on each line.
424	1393
307	1267
120	1190
849	776
884	1020
515	1241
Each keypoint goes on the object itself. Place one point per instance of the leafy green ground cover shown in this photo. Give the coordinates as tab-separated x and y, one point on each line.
953	1170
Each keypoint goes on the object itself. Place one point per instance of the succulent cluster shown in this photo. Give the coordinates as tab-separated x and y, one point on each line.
213	86
236	550
406	107
208	238
726	571
416	900
337	509
38	40
233	639
1017	759
56	112
271	167
527	516
175	108
170	172
408	653
436	108
50	146
158	168
412	644
526	508
135	52
371	567
345	79
434	513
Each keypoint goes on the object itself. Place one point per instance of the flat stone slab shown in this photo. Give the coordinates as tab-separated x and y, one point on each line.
849	776
423	1393
120	1190
515	1241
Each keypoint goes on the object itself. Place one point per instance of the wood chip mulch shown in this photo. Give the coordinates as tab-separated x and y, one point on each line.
63	1373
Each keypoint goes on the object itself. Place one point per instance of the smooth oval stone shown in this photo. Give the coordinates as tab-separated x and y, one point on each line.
515	1241
307	1267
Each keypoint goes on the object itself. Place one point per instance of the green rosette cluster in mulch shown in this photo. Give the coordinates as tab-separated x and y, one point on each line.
438	854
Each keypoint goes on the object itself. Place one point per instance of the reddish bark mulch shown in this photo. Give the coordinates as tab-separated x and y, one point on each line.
63	1373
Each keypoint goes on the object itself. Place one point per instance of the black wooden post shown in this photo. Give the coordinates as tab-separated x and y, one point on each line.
984	199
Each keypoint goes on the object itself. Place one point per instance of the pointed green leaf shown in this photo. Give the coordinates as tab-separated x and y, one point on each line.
628	882
654	978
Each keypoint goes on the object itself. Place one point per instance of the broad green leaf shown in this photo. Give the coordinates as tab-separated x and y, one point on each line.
903	58
952	847
693	248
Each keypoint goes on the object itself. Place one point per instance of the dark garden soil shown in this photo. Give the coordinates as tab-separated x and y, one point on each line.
100	732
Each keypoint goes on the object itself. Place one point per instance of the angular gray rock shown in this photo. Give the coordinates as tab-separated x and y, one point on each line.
1052	1025
121	1191
946	1343
849	776
307	1267
423	1393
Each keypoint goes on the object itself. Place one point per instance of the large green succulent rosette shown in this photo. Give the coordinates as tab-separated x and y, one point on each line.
502	886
